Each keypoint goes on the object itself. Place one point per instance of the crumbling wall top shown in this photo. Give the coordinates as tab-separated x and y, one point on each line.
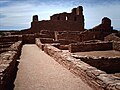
35	18
106	21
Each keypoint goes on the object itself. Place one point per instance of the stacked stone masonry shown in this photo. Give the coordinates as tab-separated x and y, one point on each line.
116	45
65	32
80	36
112	37
62	21
93	46
107	64
8	66
97	79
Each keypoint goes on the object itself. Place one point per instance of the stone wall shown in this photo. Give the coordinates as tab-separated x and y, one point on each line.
105	25
97	79
81	47
116	45
39	44
11	38
112	37
4	46
47	40
8	66
107	64
73	21
28	38
25	38
80	36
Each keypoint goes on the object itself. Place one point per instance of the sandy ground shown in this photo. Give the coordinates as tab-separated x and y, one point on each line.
109	53
38	71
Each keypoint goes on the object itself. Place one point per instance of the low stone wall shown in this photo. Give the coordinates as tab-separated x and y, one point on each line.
47	40
17	47
107	64
39	44
65	41
25	38
28	38
63	47
116	46
51	50
8	46
81	47
13	38
8	66
4	46
97	79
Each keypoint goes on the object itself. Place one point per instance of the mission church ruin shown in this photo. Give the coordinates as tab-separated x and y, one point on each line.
73	21
65	38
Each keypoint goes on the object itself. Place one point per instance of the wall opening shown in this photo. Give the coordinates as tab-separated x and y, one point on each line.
66	18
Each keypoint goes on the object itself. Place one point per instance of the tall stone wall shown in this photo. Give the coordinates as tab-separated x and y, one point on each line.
105	25
73	21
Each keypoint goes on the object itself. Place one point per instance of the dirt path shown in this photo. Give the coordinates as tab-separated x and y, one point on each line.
38	71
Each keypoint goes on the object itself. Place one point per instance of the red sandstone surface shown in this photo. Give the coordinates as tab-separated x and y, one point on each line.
38	71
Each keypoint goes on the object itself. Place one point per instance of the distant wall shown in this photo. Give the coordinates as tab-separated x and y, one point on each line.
112	37
80	36
90	47
25	38
73	21
28	39
56	26
12	38
104	26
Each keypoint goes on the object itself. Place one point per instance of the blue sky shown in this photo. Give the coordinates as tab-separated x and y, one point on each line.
17	14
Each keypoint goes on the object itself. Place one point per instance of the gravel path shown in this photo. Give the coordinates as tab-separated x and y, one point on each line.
38	71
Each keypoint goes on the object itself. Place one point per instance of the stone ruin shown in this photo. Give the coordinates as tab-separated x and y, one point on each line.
64	38
73	21
104	26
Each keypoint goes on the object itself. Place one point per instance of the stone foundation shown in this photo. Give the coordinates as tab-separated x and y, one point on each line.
97	79
81	47
107	64
8	66
13	38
